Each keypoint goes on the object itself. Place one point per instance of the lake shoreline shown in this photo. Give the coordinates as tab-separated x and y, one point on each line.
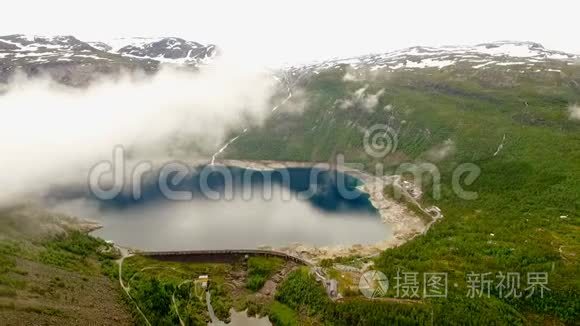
406	223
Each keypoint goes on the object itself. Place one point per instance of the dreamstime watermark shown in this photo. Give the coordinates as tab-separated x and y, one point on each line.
380	140
180	181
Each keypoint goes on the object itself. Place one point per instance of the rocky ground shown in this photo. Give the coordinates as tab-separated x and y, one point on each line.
269	288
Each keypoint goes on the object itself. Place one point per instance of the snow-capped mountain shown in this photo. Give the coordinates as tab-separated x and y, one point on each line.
72	61
37	49
504	54
66	48
168	49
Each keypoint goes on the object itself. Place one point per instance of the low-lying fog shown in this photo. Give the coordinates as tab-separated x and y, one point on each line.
52	135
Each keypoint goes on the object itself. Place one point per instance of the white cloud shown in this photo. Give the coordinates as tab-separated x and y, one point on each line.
349	76
574	111
441	151
360	99
49	132
360	93
371	100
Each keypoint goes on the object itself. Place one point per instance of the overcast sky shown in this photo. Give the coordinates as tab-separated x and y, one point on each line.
297	30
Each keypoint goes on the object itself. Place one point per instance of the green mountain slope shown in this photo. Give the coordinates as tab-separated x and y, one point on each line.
52	273
515	126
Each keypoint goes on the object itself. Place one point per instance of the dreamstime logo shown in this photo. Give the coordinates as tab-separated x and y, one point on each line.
380	140
373	284
179	181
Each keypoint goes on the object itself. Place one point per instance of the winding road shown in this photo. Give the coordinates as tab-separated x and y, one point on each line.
126	254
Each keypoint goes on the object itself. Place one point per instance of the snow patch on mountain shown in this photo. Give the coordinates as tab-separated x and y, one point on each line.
20	50
429	63
481	56
163	49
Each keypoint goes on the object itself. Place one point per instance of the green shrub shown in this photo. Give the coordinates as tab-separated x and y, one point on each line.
300	290
255	282
283	315
260	269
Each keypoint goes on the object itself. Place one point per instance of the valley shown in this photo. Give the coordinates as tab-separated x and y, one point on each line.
475	170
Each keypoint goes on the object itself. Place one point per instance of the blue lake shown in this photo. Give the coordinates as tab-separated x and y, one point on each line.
250	209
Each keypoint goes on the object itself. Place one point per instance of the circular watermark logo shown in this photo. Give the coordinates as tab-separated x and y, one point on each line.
373	284
380	140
